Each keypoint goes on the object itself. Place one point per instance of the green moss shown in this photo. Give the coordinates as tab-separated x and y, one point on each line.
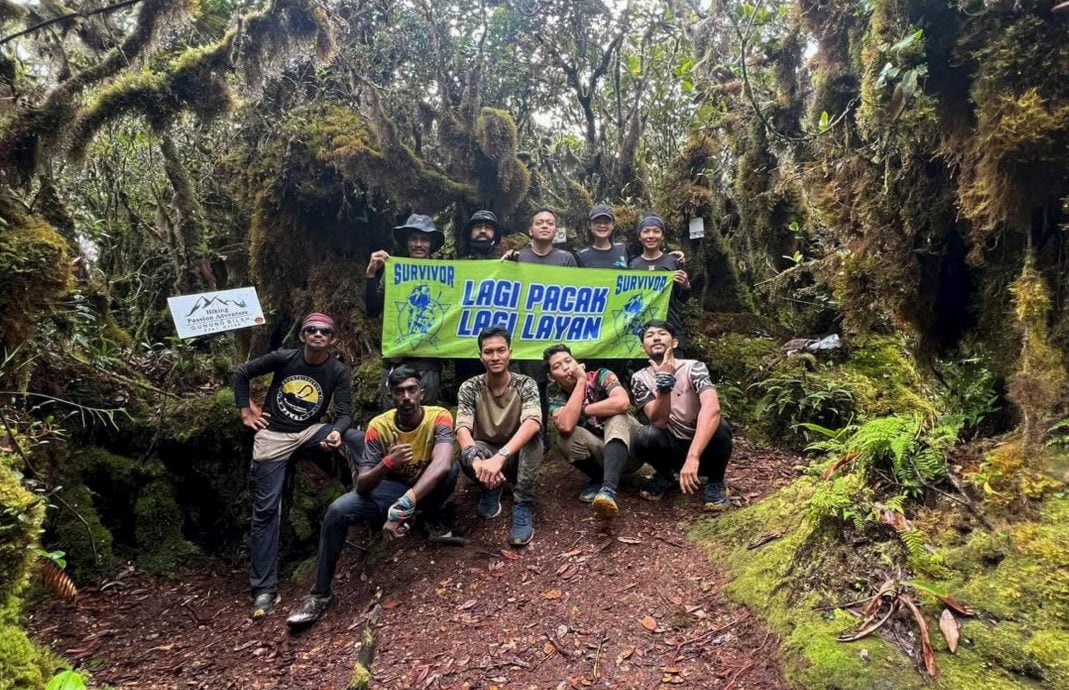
1018	579
23	665
35	270
812	657
360	679
81	534
886	379
161	546
312	494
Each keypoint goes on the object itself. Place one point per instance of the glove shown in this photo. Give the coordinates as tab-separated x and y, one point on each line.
665	382
402	509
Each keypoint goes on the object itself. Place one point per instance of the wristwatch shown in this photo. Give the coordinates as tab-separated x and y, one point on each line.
504	452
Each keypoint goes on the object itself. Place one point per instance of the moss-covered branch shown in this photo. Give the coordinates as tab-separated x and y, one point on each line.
197	80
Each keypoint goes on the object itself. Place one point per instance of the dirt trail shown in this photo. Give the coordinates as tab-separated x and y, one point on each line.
580	607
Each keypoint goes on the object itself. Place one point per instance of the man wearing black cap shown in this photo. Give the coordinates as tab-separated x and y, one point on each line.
603	252
651	232
482	233
304	383
420	238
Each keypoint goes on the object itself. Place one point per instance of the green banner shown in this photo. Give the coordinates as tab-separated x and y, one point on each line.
437	308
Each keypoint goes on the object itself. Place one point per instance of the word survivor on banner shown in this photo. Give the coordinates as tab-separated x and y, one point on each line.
438	308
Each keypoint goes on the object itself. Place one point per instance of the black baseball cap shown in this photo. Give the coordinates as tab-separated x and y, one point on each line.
601	210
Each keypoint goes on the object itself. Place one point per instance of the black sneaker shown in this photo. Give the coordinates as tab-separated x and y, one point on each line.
589	491
263	602
656	487
489	503
309	612
522	525
716	498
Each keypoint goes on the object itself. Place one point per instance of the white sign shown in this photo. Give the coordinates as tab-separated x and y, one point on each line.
697	228
213	312
562	235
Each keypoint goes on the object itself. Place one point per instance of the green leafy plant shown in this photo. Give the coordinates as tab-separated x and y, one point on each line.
796	397
66	680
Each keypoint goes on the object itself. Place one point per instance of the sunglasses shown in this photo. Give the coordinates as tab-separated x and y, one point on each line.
311	330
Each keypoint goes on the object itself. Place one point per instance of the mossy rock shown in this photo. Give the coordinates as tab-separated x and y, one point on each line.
1015	578
886	379
161	546
23	665
79	532
313	492
21	514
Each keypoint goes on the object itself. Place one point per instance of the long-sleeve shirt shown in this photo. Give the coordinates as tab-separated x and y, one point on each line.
300	393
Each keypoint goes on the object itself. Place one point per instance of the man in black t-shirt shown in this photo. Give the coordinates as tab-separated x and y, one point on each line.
304	383
651	233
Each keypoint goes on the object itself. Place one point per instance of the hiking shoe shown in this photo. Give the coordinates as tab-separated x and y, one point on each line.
589	491
309	612
656	487
263	603
604	504
437	529
522	525
716	498
489	503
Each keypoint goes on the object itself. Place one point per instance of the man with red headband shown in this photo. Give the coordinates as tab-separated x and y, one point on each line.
304	383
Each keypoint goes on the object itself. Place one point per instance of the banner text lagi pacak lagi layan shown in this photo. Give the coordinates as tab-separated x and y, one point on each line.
438	308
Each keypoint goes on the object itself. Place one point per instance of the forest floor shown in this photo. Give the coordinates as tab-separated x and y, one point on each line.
581	606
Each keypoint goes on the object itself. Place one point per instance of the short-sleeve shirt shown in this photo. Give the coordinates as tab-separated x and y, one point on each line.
667	262
692	378
382	433
613	257
495	418
556	257
599	383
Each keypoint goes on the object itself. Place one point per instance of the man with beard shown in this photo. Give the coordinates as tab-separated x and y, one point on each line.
482	233
420	238
304	383
686	433
407	465
498	419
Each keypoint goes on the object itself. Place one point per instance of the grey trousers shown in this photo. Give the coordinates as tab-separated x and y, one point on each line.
521	469
268	477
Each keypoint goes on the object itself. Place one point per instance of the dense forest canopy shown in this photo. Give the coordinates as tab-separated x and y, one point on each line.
894	171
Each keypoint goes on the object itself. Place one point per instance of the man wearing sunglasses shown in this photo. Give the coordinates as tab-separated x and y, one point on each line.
304	383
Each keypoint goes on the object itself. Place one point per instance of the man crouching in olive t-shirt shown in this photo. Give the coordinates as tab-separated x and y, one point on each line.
498	420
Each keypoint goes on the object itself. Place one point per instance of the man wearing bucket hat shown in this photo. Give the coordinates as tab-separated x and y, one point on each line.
304	383
420	239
